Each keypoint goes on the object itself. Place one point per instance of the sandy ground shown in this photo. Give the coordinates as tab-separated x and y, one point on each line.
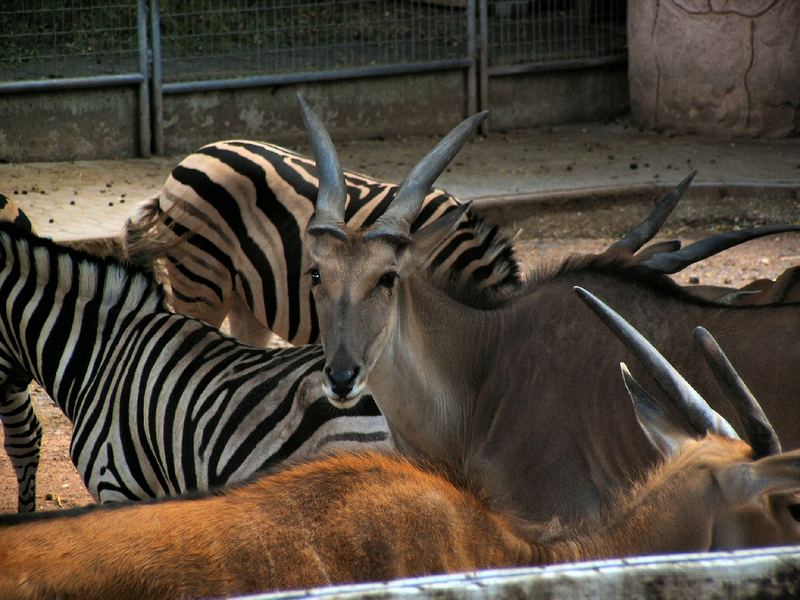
79	199
60	487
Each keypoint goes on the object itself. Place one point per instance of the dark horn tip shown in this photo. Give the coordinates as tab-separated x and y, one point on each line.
585	295
472	123
704	338
688	179
301	100
310	118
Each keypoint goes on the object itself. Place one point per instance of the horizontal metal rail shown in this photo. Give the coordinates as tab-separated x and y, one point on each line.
70	83
313	76
558	65
760	573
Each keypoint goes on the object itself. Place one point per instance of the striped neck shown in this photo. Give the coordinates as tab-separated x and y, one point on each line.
59	303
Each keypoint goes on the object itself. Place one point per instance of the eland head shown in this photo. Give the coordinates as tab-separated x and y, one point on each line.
354	272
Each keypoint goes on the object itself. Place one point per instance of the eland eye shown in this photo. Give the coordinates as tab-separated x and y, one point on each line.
316	278
388	279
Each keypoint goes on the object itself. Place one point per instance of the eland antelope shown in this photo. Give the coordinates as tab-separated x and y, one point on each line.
350	518
670	257
514	391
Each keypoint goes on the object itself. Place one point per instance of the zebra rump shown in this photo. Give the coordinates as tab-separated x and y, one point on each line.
227	229
161	403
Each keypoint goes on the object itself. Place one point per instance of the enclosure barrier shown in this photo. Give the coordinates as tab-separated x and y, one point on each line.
763	573
173	47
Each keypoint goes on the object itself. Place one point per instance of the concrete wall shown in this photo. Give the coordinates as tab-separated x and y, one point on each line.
355	109
102	123
552	98
69	125
722	68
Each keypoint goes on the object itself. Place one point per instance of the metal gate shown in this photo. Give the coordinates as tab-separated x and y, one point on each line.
177	46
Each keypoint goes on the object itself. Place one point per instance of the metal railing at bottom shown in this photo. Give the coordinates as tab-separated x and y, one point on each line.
761	573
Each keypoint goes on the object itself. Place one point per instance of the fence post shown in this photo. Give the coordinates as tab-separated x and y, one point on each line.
483	61
472	52
144	86
158	90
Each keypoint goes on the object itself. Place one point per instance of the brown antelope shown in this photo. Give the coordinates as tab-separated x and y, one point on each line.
669	257
515	391
350	518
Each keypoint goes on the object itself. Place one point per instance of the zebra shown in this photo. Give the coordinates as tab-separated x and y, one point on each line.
161	403
226	232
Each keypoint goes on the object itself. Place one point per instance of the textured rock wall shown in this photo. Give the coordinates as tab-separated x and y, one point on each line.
717	67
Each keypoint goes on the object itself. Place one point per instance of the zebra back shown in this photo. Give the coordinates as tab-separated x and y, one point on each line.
161	403
228	230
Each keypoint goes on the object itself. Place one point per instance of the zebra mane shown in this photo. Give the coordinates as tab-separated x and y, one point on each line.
503	269
119	275
618	266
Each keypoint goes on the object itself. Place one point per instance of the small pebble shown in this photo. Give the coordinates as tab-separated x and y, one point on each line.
694	279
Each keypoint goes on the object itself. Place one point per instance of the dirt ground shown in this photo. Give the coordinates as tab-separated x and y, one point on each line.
60	487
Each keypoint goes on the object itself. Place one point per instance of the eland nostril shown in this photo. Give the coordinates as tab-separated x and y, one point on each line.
342	380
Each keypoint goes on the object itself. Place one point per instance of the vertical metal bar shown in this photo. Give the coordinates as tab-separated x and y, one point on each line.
483	50
472	70
144	87
158	91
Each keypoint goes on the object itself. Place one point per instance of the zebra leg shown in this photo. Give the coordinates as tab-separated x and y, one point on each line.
22	438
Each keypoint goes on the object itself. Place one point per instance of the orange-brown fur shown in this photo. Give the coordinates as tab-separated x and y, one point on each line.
346	518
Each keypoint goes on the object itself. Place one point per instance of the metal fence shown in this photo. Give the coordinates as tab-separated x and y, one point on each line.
177	46
525	35
208	39
67	39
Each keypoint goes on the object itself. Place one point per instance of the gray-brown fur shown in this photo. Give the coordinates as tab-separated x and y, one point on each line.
368	517
524	396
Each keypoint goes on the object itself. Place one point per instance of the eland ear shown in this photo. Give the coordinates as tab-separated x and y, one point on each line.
665	434
778	474
426	240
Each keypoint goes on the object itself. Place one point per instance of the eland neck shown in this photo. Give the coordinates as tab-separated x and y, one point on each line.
430	373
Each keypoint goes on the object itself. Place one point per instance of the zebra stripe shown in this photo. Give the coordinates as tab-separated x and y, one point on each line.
227	231
161	403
